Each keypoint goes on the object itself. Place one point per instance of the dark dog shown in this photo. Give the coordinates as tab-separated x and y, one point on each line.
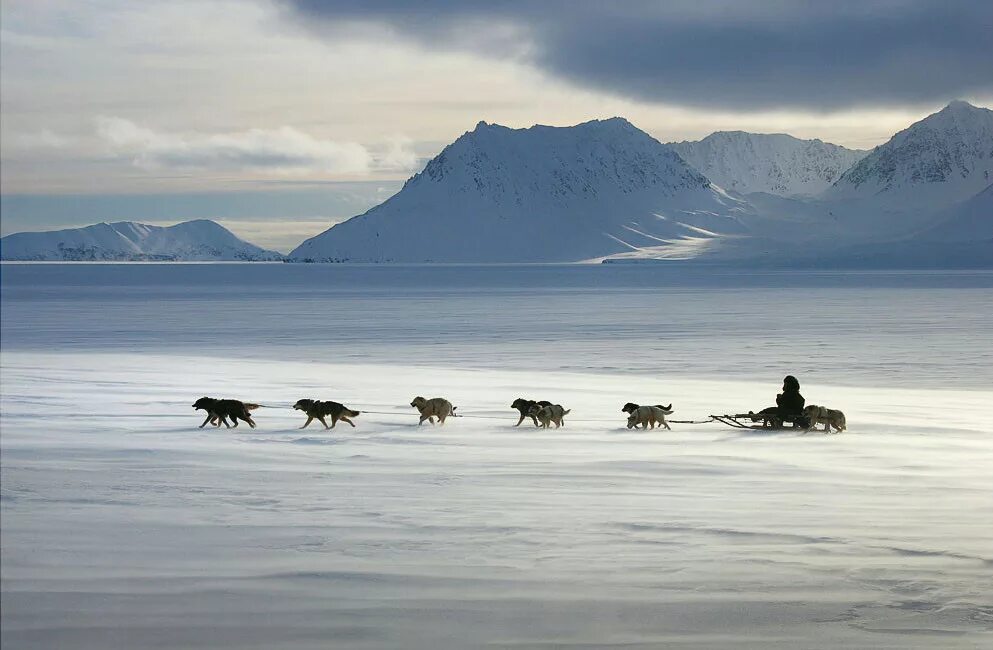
524	405
631	407
220	409
319	410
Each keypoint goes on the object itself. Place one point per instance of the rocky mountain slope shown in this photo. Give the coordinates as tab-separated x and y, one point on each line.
774	163
941	160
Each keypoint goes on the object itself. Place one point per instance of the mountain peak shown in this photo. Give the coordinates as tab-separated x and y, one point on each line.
543	193
939	159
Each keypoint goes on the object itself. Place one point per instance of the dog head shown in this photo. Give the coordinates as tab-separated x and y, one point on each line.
304	404
418	402
521	403
204	403
813	411
630	407
632	421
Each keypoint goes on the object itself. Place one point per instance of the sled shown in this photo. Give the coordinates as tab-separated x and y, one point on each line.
758	421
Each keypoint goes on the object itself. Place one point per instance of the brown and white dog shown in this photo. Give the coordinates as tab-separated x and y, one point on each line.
319	410
828	417
648	417
551	414
220	409
436	407
523	406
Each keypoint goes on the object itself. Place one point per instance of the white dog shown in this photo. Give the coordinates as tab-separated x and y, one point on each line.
828	417
436	407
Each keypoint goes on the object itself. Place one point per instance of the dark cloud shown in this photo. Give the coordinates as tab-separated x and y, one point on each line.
729	54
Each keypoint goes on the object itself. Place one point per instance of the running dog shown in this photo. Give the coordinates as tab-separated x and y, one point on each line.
551	414
220	409
436	407
648	417
631	407
524	405
828	417
316	409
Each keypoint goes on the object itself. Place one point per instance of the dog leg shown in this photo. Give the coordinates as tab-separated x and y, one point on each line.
345	419
324	422
523	415
250	421
209	418
424	417
307	423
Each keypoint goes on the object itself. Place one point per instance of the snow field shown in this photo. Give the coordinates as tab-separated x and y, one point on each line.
124	525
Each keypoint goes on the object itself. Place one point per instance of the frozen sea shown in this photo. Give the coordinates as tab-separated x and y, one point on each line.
126	526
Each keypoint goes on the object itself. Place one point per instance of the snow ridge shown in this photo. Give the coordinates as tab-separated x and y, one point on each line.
775	163
199	240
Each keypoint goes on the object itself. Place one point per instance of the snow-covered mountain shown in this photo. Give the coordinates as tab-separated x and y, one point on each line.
941	160
200	240
775	163
533	195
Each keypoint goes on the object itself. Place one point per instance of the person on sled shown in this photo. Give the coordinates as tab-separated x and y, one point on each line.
789	406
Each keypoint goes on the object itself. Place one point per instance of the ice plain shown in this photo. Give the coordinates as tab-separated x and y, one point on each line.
124	525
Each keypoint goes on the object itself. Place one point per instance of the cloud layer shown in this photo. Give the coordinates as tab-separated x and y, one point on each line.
713	53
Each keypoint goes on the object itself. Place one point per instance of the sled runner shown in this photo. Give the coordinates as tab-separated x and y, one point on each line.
757	421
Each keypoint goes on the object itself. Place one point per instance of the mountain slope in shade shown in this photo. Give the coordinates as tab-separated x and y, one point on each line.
773	163
969	221
945	158
199	241
541	194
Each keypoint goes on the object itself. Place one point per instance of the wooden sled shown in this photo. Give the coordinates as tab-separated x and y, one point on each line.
757	421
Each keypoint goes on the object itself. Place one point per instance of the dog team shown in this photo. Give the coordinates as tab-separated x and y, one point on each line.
541	412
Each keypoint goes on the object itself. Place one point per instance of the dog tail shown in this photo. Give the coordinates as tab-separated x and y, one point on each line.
453	413
567	412
252	407
350	413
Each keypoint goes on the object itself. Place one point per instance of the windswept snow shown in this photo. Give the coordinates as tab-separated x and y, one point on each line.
775	163
191	241
124	525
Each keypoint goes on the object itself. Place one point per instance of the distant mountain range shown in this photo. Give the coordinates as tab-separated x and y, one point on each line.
198	241
774	163
606	191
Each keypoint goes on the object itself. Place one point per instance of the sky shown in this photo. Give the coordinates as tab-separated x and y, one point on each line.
279	118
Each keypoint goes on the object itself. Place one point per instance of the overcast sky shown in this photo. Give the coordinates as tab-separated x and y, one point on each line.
279	117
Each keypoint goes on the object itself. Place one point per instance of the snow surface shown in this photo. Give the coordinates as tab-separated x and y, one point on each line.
126	526
768	162
542	194
200	240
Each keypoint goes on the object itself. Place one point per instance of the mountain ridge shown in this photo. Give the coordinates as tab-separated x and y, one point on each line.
196	240
775	163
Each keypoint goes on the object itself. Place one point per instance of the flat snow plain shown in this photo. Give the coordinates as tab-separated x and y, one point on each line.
125	526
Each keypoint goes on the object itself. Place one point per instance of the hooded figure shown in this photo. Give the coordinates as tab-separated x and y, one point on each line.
790	401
